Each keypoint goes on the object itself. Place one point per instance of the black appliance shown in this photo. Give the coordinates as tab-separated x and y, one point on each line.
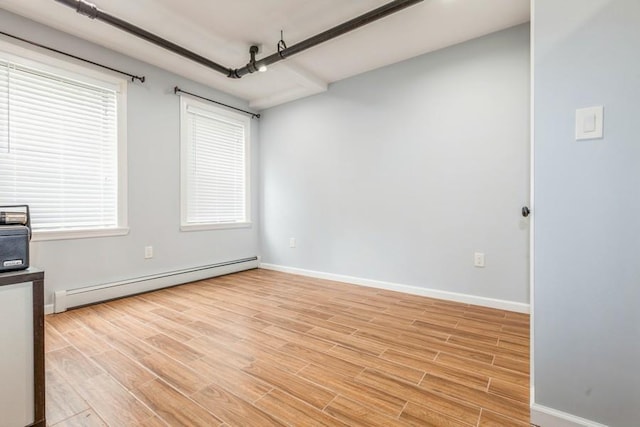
15	234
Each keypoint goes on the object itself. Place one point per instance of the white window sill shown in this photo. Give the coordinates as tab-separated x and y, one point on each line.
216	226
39	236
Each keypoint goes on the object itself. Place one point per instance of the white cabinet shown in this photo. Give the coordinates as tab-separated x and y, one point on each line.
22	349
16	355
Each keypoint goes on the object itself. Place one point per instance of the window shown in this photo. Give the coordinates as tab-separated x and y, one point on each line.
62	148
214	146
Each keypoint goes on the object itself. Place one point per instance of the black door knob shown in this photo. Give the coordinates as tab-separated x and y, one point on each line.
525	211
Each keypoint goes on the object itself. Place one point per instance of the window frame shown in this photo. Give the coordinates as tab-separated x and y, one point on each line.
75	71
185	102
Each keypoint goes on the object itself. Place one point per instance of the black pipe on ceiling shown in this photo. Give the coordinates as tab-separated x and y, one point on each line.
93	12
90	10
362	20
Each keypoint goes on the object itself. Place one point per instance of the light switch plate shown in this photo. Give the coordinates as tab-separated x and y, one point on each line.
589	123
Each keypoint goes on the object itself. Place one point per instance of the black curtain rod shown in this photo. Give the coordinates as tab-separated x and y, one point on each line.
253	115
133	77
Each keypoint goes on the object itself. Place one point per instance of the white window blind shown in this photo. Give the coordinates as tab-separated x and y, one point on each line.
4	108
58	149
215	166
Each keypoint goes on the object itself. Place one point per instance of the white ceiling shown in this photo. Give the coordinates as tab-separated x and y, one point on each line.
223	30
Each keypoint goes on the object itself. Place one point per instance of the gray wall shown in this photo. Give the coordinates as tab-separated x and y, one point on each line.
400	174
587	204
154	183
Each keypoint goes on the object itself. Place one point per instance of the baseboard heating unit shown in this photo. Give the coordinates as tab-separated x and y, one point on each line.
93	294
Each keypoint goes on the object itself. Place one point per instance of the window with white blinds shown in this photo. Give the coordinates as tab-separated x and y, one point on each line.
59	148
214	166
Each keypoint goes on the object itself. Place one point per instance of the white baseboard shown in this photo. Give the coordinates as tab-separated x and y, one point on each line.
408	289
108	291
48	309
548	417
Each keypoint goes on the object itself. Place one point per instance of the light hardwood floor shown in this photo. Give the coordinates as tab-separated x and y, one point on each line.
262	348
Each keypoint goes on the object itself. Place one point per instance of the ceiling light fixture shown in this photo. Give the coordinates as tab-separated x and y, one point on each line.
255	66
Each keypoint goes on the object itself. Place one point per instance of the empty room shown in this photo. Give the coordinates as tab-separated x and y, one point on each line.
319	213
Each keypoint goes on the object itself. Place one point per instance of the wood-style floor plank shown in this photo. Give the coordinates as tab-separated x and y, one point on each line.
233	380
174	407
494	402
86	418
354	414
72	364
123	369
418	415
298	387
53	340
231	409
62	400
293	411
435	401
114	404
87	342
178	375
376	400
366	360
264	348
491	419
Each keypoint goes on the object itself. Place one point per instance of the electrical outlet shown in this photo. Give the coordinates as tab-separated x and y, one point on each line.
148	252
292	242
478	259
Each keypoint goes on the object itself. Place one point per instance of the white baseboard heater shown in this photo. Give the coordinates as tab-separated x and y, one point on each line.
93	294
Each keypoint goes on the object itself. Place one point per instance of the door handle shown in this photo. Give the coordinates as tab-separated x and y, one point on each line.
525	211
